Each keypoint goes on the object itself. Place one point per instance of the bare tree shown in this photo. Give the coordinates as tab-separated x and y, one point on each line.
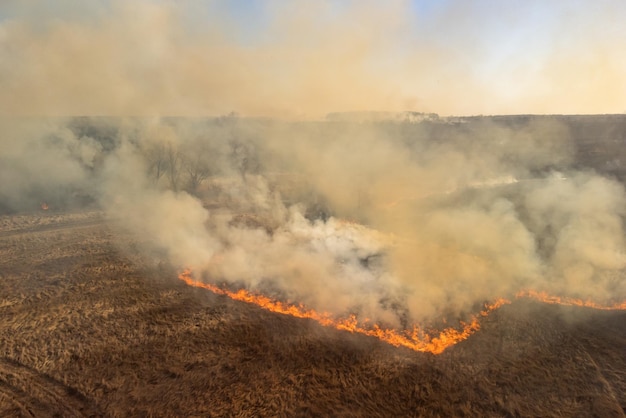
157	161
173	165
197	170
244	157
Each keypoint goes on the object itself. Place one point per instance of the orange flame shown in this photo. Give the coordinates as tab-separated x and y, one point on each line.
416	339
556	300
44	206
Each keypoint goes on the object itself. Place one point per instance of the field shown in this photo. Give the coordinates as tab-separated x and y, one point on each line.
251	209
91	326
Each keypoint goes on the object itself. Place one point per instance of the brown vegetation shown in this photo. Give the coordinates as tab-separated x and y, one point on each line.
90	330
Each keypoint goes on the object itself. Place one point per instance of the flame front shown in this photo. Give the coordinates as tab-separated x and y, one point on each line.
416	339
557	300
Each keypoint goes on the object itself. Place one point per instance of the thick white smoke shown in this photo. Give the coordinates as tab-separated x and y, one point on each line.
447	213
344	217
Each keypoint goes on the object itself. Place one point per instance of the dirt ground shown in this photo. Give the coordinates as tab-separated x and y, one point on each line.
91	327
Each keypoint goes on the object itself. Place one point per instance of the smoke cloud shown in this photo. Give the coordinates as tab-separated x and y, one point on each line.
396	221
379	219
279	59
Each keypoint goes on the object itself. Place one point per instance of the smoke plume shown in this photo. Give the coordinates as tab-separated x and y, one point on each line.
279	59
377	219
392	220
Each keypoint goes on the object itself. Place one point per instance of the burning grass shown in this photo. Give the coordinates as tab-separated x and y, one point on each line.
90	330
416	339
568	301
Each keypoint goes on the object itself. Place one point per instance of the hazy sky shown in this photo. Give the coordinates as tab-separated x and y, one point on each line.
307	58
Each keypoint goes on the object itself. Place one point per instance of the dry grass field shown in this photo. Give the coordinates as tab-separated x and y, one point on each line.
91	327
220	208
